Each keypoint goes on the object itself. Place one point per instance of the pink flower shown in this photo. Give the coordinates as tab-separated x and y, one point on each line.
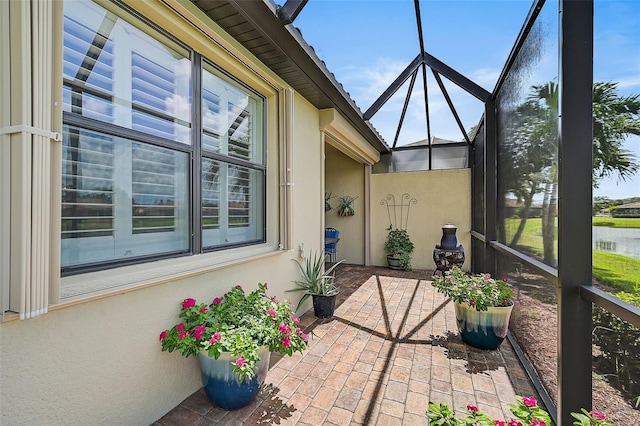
515	423
183	335
217	301
472	303
204	309
215	338
163	335
498	423
537	422
597	415
239	287
266	286
529	401
188	303
294	318
286	342
271	312
284	328
180	327
240	362
200	328
197	335
304	337
472	408
275	299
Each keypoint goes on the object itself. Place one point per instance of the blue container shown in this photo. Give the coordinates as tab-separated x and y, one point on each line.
483	329
221	384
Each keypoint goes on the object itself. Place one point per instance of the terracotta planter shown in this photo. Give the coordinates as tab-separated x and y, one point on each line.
483	329
221	384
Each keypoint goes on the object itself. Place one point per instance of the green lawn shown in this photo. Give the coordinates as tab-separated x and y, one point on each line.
616	222
619	271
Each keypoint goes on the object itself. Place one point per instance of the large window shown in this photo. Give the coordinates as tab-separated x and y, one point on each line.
141	178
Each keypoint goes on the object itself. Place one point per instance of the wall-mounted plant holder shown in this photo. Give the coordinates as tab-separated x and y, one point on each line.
327	201
345	208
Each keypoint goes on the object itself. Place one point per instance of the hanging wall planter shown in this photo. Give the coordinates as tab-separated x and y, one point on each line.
346	205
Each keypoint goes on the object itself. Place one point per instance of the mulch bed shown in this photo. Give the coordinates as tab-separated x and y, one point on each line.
534	325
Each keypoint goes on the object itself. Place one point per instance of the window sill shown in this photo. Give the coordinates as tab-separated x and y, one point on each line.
96	285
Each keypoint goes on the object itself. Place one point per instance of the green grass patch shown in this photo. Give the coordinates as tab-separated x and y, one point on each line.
616	222
619	271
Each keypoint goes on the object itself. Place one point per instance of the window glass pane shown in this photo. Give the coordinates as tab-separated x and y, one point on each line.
115	73
527	115
231	117
232	204
121	198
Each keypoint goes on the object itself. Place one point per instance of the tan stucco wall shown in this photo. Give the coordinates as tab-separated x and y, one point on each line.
344	176
98	361
443	196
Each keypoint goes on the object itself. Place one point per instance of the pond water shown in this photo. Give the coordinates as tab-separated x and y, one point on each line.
624	241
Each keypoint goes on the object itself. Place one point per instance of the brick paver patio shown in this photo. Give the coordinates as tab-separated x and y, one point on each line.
391	347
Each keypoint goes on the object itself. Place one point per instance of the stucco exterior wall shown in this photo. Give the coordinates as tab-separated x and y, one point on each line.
344	176
95	359
443	196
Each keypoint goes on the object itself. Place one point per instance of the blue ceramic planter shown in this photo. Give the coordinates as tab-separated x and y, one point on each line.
483	329
221	384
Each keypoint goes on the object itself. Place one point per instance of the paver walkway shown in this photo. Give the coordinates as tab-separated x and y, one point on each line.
391	347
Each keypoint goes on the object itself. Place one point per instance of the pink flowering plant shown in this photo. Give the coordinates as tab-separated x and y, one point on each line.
238	323
479	291
526	412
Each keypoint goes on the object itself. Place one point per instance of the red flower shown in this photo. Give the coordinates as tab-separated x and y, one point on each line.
498	423
183	335
217	301
180	327
515	423
597	415
188	303
529	401
204	309
163	335
472	408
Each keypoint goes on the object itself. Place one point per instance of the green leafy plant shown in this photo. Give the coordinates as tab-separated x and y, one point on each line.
526	412
399	245
480	291
345	208
619	343
327	201
315	280
238	323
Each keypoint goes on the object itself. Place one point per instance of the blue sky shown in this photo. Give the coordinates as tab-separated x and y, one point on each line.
367	43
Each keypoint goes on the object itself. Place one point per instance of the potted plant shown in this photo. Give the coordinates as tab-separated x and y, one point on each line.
525	412
483	306
345	208
399	248
317	284
233	337
327	201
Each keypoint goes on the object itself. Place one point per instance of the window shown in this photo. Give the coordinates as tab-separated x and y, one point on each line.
140	178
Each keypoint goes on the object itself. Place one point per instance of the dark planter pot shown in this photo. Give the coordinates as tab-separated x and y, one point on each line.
394	263
324	306
483	329
221	384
